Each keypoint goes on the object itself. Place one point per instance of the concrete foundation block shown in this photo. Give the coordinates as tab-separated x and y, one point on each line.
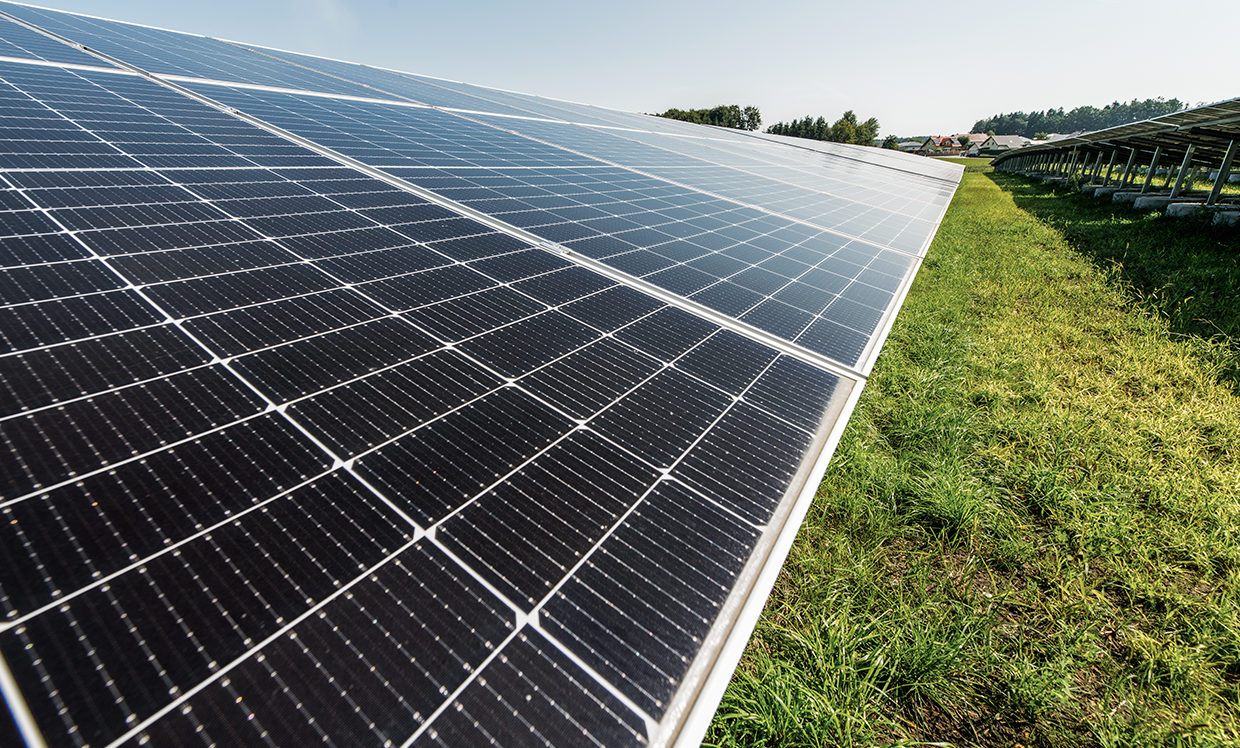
1088	189
1148	202
1227	218
1105	192
1180	210
1127	196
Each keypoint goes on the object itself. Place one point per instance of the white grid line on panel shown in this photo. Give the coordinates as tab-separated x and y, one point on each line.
258	646
729	634
416	533
672	299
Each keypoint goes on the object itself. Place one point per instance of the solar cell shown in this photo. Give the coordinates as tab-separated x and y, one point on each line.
309	435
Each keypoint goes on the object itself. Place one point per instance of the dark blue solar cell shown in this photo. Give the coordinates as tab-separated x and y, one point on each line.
524	346
667	333
520	265
51	322
383	263
251	328
834	341
759	280
584	382
804	297
89	434
868	295
567	704
483	243
681	279
547	516
457	319
415	290
292	371
640	262
18	41
564	286
681	251
613	308
730	468
637	614
717	265
728	298
824	281
362	415
778	318
795	391
660	419
444	464
728	361
784	266
851	314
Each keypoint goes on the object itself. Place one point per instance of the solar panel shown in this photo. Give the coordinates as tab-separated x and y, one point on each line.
336	408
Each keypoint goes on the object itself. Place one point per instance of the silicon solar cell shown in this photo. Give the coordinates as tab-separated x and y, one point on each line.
359	422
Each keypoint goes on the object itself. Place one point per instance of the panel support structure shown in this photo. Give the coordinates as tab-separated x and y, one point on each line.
1184	167
1149	175
1224	171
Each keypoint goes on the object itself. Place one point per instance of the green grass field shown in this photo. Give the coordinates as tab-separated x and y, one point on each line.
1030	532
974	163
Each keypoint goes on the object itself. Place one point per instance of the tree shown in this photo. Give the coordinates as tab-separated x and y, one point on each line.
724	115
1080	118
964	142
846	129
751	118
891	143
1041	136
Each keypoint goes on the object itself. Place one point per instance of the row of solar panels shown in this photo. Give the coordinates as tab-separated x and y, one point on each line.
1202	137
349	406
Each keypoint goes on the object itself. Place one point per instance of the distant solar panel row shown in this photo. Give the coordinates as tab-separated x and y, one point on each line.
294	454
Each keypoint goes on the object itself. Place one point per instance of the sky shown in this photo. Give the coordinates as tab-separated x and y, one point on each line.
920	68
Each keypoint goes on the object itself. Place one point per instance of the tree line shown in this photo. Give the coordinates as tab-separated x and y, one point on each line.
846	129
1084	118
724	115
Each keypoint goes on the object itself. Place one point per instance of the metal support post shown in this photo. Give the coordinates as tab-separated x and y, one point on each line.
1110	166
1149	176
1185	165
1093	173
1123	178
1224	171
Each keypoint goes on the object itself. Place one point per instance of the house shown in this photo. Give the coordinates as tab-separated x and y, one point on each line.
908	146
975	140
940	144
1004	142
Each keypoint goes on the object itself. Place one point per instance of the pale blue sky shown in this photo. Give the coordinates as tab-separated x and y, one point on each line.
921	68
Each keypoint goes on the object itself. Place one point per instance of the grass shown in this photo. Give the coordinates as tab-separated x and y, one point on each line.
970	163
1030	532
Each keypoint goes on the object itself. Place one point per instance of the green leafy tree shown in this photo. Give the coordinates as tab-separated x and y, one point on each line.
846	129
724	115
1085	118
891	143
751	118
964	142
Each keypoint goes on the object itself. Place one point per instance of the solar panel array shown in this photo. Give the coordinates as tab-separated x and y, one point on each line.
349	406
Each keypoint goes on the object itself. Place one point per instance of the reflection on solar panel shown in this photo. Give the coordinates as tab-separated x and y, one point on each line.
337	408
